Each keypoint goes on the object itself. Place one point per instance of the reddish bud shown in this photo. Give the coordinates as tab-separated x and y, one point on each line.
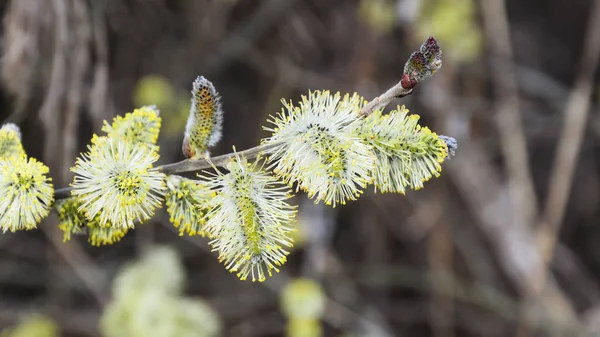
407	83
431	50
415	65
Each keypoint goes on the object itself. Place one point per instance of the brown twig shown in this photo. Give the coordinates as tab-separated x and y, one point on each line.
188	165
380	102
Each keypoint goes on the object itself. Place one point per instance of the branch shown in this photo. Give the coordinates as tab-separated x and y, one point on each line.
189	165
380	102
420	65
569	145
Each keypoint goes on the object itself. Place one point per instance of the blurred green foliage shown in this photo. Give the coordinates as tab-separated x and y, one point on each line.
304	327
453	24
378	14
303	302
174	104
33	326
147	302
303	298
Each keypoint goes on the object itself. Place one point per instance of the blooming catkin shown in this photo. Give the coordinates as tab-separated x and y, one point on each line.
315	147
114	179
406	153
249	220
140	126
10	142
27	193
73	221
187	204
204	124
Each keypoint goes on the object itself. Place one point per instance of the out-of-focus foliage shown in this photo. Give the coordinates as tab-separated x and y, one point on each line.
378	14
303	298
453	23
303	302
153	89
33	326
174	104
303	327
147	302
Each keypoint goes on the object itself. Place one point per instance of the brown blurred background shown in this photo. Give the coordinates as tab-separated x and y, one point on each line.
504	243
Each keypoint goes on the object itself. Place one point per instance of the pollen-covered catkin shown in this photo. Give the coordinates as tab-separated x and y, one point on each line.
249	219
114	179
315	147
27	193
10	141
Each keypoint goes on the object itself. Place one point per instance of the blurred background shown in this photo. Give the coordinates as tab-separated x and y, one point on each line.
505	243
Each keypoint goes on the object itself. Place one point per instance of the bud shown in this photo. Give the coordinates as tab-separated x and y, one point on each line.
422	64
204	124
431	50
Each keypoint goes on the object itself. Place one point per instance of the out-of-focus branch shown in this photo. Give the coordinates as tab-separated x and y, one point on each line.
80	59
50	112
513	142
99	90
576	114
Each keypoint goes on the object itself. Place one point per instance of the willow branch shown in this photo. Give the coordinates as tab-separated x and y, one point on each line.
419	66
191	165
380	102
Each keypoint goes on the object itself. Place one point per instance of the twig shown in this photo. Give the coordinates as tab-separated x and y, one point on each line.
380	102
189	165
